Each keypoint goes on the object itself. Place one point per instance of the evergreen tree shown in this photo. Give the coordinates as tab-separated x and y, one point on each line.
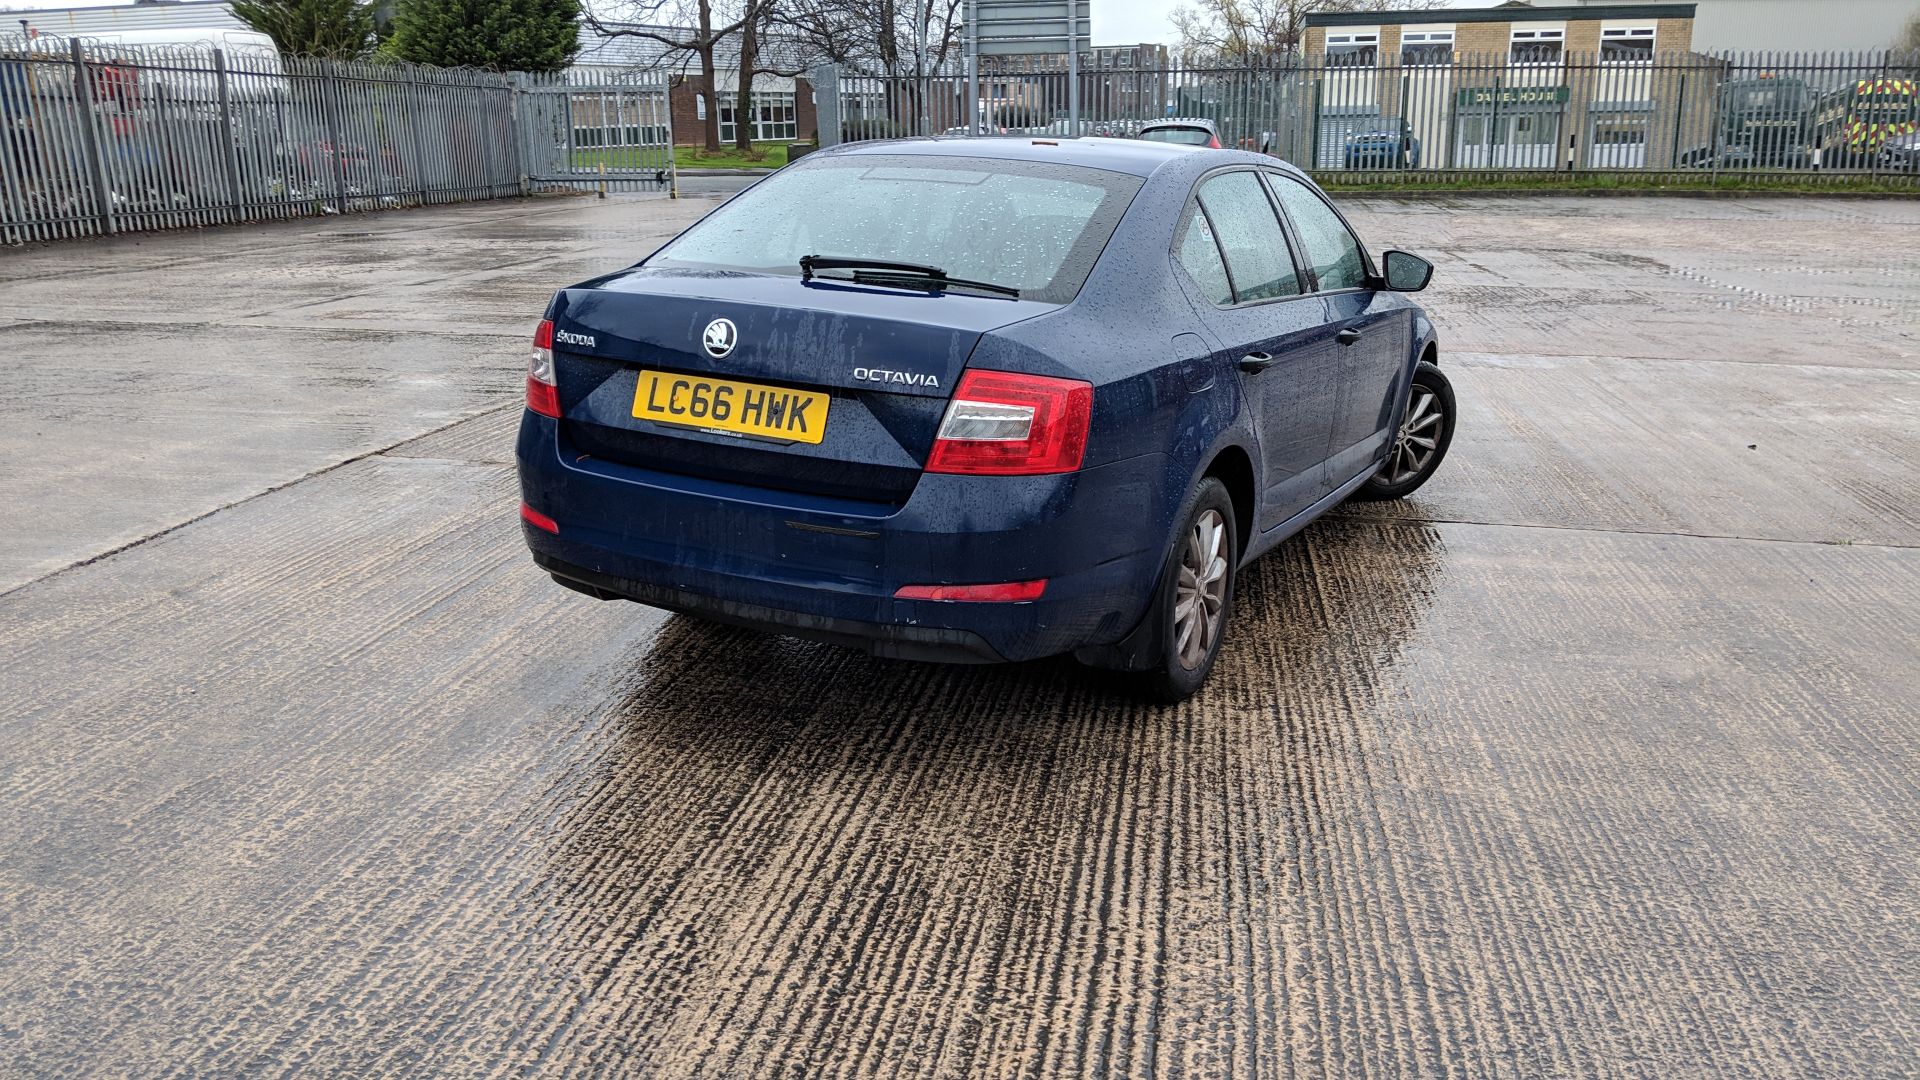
504	35
342	29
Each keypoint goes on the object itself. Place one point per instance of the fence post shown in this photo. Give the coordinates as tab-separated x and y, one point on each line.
827	111
666	107
85	108
1679	122
229	146
522	128
414	98
973	67
330	95
1073	76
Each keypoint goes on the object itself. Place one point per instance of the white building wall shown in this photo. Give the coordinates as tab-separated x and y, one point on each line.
79	22
1793	25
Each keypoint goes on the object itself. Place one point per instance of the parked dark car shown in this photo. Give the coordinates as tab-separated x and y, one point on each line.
1384	148
1901	154
980	400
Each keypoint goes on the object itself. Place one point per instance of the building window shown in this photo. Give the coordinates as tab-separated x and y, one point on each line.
772	117
1538	46
1628	46
1353	50
1427	49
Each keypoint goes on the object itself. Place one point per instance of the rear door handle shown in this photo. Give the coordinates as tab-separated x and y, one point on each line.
1347	336
1256	362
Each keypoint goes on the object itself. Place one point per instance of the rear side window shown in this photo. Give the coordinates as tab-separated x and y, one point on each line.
1250	236
1325	243
1037	227
1186	136
1199	255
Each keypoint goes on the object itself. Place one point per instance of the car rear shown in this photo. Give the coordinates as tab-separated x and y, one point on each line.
723	432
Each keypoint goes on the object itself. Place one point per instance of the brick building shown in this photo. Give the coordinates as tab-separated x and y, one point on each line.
784	107
1515	86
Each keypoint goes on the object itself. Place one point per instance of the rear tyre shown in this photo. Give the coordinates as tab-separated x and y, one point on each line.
1421	441
1195	600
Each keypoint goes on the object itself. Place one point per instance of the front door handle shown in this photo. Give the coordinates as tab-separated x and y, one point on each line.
1347	336
1256	362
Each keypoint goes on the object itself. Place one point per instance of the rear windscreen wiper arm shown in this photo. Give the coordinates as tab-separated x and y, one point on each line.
895	273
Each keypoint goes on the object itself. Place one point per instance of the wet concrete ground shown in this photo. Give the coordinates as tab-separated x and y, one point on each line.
1597	757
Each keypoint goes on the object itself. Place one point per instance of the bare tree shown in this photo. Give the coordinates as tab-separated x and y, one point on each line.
1260	31
688	28
878	36
757	59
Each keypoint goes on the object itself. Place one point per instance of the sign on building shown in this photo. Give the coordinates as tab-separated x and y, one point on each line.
1484	97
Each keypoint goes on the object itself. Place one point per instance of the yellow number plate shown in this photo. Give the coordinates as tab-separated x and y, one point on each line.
723	405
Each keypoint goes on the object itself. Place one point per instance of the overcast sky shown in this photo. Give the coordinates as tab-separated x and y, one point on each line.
1133	22
1115	22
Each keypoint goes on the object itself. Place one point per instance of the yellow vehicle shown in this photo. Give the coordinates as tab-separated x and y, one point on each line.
1855	121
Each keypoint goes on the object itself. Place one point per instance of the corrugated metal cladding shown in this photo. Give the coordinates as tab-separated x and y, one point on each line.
66	22
1796	25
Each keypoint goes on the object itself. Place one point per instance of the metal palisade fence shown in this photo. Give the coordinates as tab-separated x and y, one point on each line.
103	138
1448	113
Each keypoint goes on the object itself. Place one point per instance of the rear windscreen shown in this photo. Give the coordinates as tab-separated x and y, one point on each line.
1033	226
1184	136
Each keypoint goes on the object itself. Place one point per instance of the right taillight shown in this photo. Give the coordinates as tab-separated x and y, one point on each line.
543	396
1003	424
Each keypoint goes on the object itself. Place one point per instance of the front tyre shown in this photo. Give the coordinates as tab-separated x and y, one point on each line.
1421	441
1195	599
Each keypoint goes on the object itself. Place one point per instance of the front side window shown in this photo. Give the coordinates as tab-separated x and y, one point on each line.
1250	237
1034	226
1325	242
1198	253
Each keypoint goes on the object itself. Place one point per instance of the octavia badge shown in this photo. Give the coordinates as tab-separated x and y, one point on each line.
719	338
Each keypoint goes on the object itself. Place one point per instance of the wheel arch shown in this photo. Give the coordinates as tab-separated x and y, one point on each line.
1232	465
1426	340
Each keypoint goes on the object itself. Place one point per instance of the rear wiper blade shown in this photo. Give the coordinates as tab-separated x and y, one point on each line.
895	273
930	282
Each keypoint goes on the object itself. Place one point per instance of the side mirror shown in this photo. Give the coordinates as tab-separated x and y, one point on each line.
1405	272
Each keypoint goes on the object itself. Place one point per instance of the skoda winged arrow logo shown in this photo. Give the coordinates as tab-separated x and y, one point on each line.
719	338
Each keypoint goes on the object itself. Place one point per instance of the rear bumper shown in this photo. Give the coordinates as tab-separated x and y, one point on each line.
881	639
828	568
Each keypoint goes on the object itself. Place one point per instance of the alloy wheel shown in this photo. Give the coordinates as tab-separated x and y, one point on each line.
1199	603
1417	440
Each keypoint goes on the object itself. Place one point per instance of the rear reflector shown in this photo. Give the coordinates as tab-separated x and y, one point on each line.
538	520
543	396
1003	424
1005	592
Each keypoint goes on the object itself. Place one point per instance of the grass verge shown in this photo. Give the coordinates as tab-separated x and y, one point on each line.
1798	184
764	156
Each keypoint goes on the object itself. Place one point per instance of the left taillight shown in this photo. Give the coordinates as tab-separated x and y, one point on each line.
543	396
1000	423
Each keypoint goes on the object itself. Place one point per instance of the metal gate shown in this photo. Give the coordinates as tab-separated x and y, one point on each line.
593	130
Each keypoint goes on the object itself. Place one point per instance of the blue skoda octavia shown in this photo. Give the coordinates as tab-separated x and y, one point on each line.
980	400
